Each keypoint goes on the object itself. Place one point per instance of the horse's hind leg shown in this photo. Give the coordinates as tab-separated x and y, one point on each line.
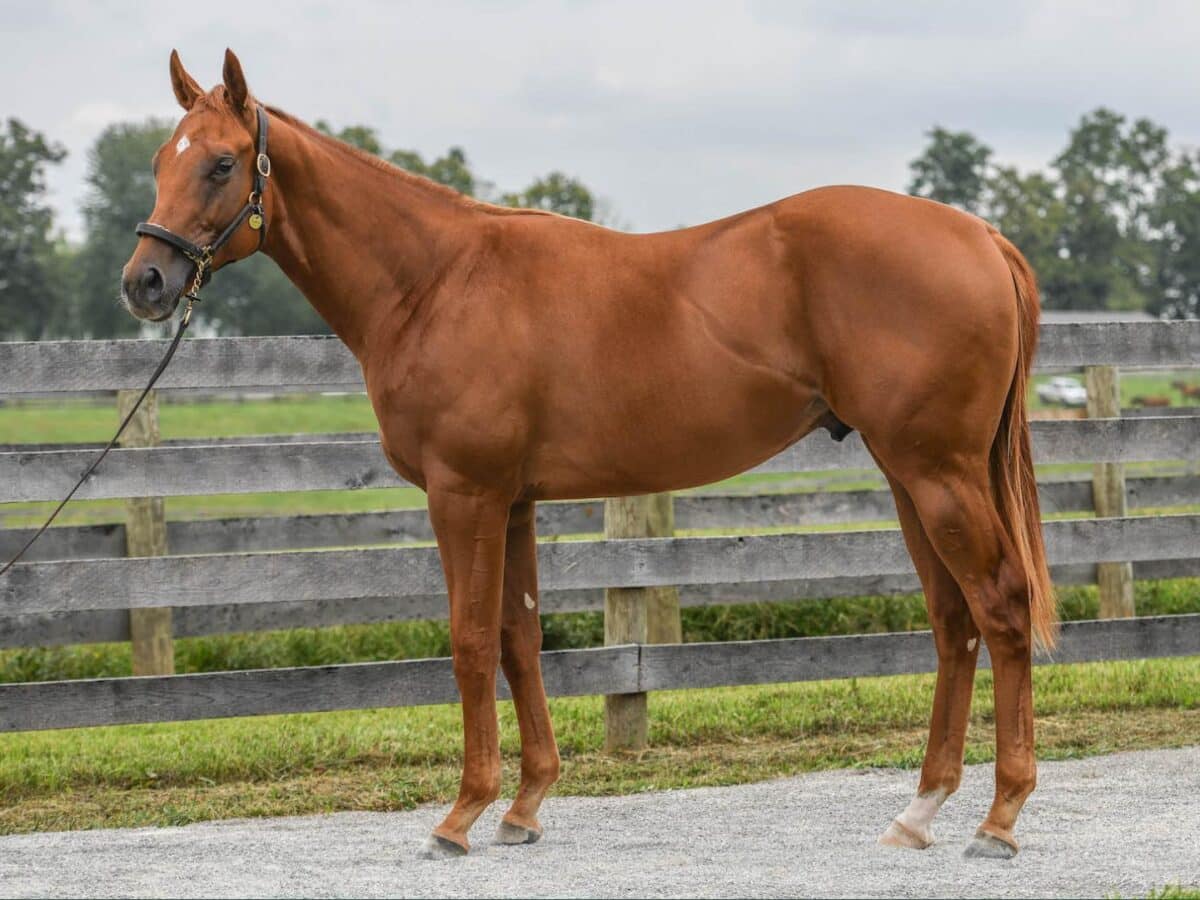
957	642
520	644
954	501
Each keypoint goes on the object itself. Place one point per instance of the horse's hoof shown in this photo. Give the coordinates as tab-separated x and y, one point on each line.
509	833
990	846
438	847
899	836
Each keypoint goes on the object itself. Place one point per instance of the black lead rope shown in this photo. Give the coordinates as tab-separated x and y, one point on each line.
162	366
202	257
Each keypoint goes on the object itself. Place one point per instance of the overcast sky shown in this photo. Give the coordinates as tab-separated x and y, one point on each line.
673	112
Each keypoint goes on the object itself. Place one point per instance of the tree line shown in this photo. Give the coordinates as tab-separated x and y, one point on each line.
50	288
1112	223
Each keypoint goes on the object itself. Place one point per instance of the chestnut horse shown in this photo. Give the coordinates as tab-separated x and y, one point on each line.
513	356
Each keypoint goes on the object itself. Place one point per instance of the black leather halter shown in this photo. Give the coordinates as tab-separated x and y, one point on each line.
202	257
252	211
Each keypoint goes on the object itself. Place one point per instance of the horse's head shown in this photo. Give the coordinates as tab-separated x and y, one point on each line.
204	174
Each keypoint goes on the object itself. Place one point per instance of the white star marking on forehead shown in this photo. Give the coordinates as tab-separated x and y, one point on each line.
183	144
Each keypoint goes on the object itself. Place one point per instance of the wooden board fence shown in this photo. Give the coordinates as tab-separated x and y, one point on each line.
602	670
181	581
215	589
225	363
349	465
692	511
87	626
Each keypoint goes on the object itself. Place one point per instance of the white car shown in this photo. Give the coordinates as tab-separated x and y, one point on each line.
1062	391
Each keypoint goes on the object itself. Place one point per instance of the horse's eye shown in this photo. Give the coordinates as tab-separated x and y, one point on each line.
224	165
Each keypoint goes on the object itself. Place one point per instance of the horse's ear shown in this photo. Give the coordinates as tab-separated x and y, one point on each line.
185	86
235	83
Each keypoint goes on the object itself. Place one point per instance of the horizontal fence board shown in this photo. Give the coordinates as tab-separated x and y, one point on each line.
227	363
43	366
692	511
339	574
604	670
343	465
418	682
1150	344
679	666
91	626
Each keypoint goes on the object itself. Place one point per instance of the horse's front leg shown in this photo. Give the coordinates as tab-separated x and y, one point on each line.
521	642
470	528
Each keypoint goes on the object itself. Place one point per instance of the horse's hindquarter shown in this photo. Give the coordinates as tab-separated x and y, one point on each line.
912	312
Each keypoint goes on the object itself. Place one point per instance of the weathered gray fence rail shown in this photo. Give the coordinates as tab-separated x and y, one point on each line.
217	590
181	581
342	465
692	511
46	366
624	669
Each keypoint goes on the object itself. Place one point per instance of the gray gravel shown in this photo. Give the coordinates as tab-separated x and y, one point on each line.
1115	824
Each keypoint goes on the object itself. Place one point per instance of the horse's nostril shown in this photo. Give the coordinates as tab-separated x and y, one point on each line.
152	283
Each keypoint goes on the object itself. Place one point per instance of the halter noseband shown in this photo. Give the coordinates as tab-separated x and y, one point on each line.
202	257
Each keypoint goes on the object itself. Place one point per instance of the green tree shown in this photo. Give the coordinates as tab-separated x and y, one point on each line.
952	169
254	297
1029	212
1109	175
32	291
360	136
1175	222
450	169
558	193
120	194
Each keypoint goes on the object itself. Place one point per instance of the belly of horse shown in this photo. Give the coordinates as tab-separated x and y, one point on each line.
695	432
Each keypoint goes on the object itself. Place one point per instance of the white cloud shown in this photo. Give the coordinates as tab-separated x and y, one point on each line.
676	112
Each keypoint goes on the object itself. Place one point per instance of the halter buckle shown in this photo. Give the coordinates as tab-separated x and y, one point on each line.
263	164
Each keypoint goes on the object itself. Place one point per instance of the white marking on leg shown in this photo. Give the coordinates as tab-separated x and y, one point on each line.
529	604
920	812
183	144
971	644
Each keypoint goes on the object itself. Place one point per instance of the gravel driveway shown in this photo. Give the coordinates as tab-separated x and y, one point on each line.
1116	824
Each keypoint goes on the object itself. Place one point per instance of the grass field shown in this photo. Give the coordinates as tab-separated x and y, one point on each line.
415	640
394	759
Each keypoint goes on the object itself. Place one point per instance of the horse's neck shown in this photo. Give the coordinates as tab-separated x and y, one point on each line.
354	238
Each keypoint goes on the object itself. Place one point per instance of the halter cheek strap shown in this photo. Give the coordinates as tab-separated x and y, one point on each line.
252	212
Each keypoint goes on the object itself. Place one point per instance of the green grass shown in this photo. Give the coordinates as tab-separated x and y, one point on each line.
415	640
83	421
394	759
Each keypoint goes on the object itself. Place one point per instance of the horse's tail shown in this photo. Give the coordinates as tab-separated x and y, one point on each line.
1012	459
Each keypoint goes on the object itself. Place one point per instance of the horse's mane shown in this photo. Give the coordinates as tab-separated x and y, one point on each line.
382	165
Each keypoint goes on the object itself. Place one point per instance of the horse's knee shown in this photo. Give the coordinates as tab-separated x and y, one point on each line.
474	655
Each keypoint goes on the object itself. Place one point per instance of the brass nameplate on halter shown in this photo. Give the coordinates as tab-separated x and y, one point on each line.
255	221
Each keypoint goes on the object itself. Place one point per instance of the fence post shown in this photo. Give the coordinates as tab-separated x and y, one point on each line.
146	535
637	615
1108	493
